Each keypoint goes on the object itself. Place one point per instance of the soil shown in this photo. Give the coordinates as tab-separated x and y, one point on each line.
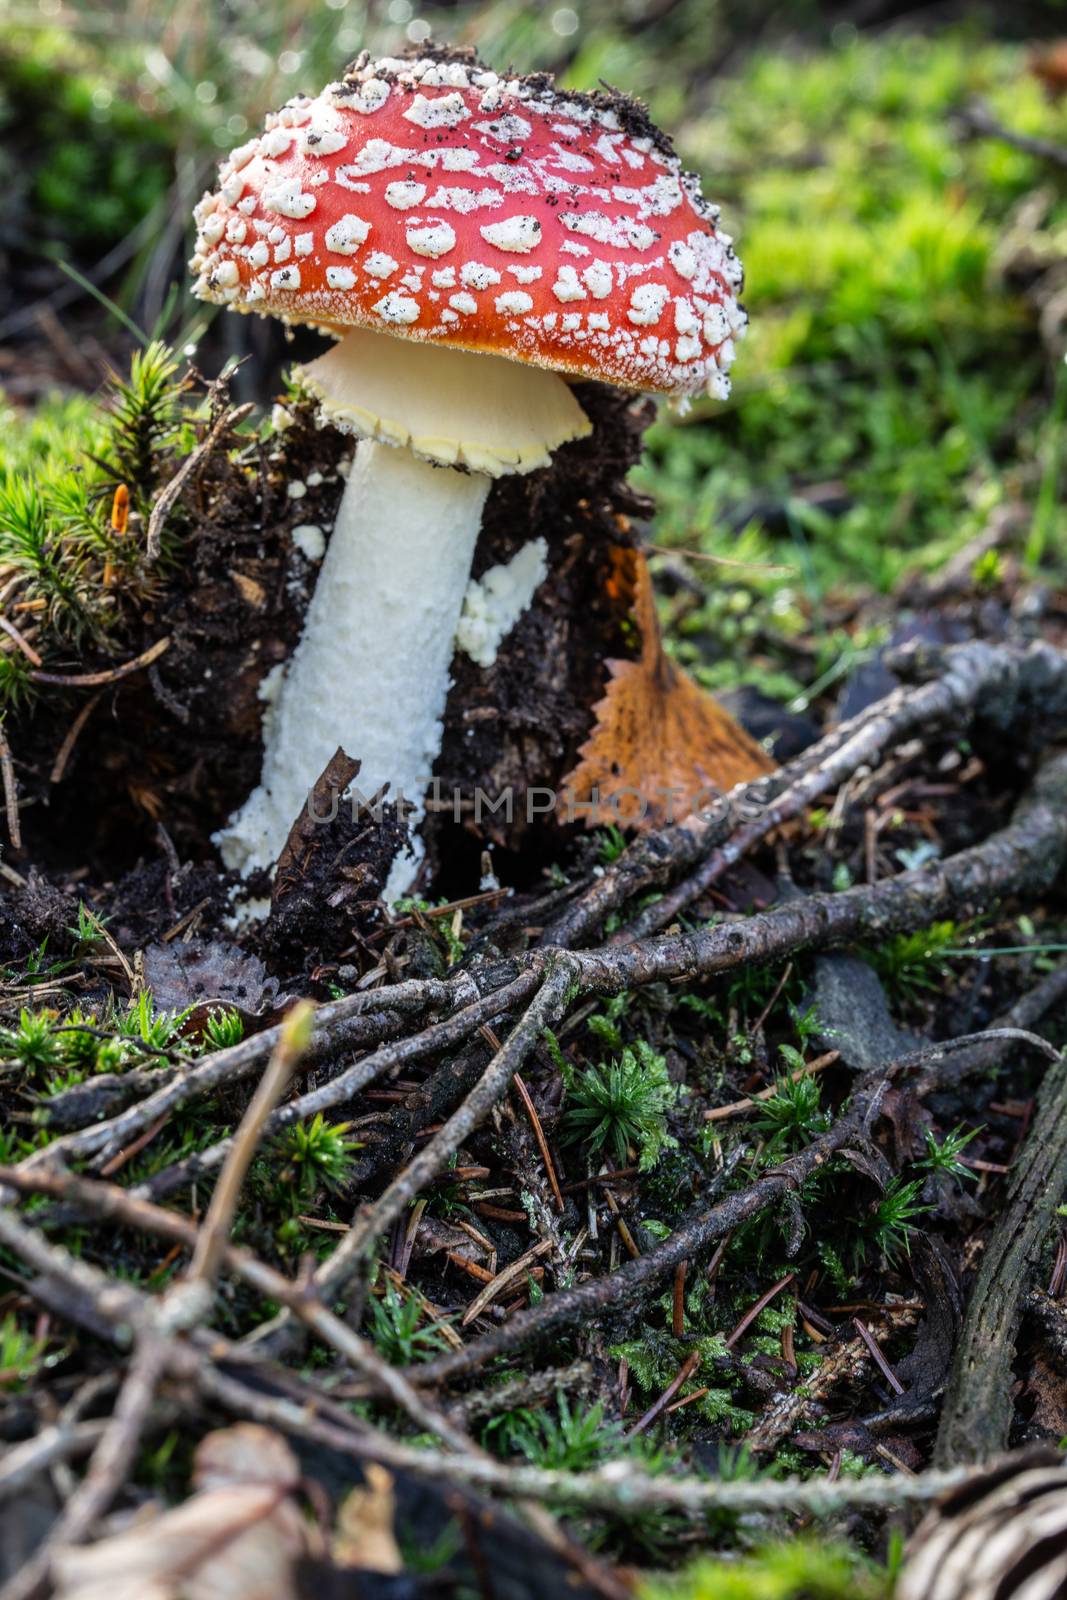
179	747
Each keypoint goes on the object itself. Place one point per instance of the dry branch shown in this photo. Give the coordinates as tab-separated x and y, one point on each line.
619	1487
106	675
704	1228
976	678
977	1412
215	1233
351	1255
227	420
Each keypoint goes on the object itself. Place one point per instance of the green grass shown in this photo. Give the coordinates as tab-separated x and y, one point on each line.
887	353
800	1569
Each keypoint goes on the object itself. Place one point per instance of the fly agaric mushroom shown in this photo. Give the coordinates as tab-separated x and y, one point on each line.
467	239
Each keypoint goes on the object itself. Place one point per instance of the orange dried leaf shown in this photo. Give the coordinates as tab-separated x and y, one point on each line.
1049	65
661	746
365	1521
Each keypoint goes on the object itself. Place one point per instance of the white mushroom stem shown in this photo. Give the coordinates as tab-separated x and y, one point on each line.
371	673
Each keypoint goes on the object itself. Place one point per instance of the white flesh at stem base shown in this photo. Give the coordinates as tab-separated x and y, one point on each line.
371	673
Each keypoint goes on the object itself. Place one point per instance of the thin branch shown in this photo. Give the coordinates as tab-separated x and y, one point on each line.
224	422
23	643
619	1487
70	739
22	1463
215	1234
11	791
98	680
687	1369
375	1220
701	1230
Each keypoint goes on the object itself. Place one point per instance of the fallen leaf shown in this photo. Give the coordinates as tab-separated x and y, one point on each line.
250	591
207	973
306	831
238	1538
1049	64
365	1537
661	746
246	1453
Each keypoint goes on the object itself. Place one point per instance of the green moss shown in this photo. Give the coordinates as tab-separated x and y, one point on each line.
884	353
800	1569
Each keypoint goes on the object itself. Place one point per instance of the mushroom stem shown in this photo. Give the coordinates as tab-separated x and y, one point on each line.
371	673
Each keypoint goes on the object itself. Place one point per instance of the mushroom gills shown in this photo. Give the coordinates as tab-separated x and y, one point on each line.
458	408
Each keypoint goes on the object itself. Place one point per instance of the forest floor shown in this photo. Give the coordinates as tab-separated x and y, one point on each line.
678	1212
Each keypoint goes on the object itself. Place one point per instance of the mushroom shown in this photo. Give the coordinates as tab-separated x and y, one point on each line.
468	240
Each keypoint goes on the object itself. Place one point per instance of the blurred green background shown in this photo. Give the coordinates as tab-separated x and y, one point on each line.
903	376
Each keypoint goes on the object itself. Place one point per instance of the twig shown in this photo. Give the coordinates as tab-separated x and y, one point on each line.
70	739
227	419
978	1399
736	1107
761	1305
22	1463
506	1276
678	1300
688	1367
98	680
988	1052
880	1361
11	791
215	1233
618	1487
23	644
539	1135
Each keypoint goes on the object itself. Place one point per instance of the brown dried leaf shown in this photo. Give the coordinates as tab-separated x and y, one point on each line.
1049	64
661	746
249	589
331	783
224	1544
237	1539
246	1453
365	1537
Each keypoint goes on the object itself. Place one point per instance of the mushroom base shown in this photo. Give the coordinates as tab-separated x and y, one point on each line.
371	673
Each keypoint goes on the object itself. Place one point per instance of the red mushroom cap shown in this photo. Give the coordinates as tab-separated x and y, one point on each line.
432	199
